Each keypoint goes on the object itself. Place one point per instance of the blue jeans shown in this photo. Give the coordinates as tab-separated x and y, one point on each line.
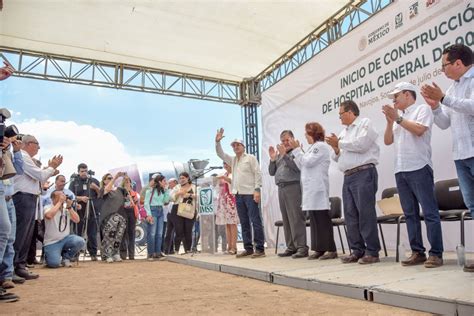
196	234
358	195
249	215
5	225
415	188
6	266
465	170
67	248
154	236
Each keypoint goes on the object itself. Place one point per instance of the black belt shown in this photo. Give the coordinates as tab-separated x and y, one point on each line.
357	169
285	184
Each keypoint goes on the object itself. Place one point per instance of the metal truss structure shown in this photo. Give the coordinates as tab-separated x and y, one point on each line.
250	125
39	65
338	25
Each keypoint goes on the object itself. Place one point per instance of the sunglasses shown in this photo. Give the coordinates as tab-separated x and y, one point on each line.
108	178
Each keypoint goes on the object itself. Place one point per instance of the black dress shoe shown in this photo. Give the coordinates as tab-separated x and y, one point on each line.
17	279
244	254
316	255
350	259
27	275
298	255
287	253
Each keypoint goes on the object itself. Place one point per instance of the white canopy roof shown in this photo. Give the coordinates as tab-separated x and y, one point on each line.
223	39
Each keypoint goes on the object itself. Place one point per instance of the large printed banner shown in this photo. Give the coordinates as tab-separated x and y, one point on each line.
404	42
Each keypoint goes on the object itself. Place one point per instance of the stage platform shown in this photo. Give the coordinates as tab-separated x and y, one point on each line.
446	290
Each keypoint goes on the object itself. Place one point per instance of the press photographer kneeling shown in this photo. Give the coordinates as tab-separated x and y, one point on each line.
58	242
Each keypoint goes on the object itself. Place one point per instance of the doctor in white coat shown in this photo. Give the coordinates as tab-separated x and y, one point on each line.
314	165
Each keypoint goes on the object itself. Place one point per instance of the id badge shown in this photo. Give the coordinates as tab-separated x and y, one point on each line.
84	187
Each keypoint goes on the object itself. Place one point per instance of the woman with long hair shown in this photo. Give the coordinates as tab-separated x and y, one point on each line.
226	213
156	196
184	196
127	246
314	165
112	217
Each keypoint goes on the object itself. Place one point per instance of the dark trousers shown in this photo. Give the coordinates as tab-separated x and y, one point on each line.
358	195
184	232
38	235
127	246
93	218
294	222
25	206
322	235
415	188
169	235
249	215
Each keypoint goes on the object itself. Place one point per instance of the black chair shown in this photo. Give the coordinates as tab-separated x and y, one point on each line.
390	219
335	214
451	204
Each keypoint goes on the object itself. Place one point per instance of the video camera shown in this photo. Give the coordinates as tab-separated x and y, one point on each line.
6	131
75	176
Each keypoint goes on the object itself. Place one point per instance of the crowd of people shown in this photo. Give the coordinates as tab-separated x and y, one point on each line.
100	217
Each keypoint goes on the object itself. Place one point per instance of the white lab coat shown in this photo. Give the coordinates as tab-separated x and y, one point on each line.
314	166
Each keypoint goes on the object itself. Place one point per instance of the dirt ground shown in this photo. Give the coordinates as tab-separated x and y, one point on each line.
165	288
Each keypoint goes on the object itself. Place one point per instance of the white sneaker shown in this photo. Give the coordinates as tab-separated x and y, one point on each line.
67	263
116	258
109	260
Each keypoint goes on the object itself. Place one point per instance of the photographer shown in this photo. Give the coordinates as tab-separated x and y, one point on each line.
112	217
86	188
58	242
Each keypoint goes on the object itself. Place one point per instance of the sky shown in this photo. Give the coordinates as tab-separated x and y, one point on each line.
110	128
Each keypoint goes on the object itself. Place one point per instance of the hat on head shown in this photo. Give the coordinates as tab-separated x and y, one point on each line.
402	86
238	141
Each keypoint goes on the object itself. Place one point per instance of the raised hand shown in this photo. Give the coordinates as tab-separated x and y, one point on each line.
6	71
281	149
55	162
333	141
294	143
272	153
390	113
433	92
219	134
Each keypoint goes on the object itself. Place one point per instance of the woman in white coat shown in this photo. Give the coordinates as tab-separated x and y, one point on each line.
314	166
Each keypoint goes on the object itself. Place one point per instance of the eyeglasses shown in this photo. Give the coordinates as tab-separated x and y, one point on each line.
33	143
108	178
444	65
342	113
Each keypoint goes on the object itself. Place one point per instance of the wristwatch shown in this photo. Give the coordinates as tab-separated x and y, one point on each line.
399	120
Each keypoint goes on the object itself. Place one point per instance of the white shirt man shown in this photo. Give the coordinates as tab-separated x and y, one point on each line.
246	183
356	152
413	171
26	199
